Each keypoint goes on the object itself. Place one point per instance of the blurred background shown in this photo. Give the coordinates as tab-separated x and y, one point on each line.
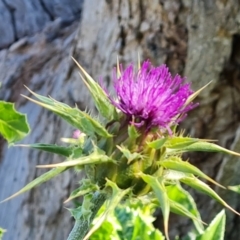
199	39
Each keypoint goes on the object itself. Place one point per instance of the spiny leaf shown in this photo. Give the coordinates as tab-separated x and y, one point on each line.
64	151
13	125
179	209
132	132
235	188
159	189
105	108
180	142
215	230
130	156
203	187
116	196
186	167
195	94
157	144
203	146
75	117
39	180
2	231
86	187
172	175
177	194
93	158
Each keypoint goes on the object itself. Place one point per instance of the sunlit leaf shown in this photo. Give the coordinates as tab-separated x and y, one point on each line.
179	209
78	119
64	151
132	132
111	203
39	180
86	187
195	94
96	157
161	194
235	188
105	108
186	167
176	142
177	194
130	156
215	230
2	231
204	188
157	144
13	125
203	146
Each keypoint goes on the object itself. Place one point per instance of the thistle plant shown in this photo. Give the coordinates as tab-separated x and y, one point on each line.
133	149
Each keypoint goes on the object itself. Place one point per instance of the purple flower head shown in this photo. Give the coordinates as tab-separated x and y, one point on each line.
151	96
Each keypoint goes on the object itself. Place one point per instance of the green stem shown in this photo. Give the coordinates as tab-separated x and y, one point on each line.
82	225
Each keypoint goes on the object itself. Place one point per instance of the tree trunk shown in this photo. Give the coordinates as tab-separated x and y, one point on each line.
198	39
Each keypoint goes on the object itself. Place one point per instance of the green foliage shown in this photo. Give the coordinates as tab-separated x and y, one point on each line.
52	148
2	231
215	230
78	119
201	146
179	195
161	193
112	202
177	164
105	108
86	187
13	125
128	222
235	188
134	222
122	162
39	180
204	188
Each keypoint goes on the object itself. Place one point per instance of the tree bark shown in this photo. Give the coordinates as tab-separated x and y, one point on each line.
199	39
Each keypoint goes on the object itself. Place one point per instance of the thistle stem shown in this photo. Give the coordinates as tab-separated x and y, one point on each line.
82	225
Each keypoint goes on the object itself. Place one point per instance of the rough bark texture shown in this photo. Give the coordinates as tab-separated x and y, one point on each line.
39	57
199	39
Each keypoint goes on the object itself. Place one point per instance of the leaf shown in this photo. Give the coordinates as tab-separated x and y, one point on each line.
130	156
64	151
204	188
78	119
161	194
235	188
203	146
2	231
215	230
179	209
186	167
180	142
13	125
116	196
132	132
104	106
183	198
86	187
195	94
157	144
41	179
98	156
